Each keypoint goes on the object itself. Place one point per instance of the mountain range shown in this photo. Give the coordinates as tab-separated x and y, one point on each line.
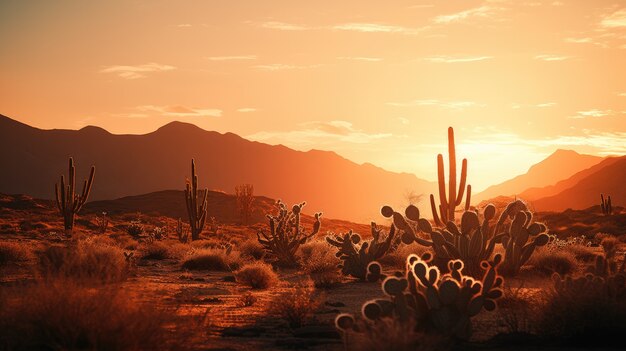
33	160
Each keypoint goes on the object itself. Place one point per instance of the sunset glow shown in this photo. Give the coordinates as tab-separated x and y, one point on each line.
375	82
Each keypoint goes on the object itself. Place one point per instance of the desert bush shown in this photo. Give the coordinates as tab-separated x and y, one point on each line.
548	262
579	246
296	304
609	245
588	310
155	250
246	300
326	280
252	248
286	234
320	263
391	334
135	229
257	275
397	259
61	315
224	260
431	302
180	250
85	261
14	253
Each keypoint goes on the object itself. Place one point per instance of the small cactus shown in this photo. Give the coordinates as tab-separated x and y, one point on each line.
68	202
604	277
197	210
605	205
181	232
358	257
286	235
430	301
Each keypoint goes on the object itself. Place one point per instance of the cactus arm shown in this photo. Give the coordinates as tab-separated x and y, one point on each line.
468	198
433	207
451	174
443	205
463	180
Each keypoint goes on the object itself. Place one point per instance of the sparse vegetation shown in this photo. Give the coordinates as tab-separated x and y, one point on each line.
296	304
252	248
197	210
549	262
68	202
245	199
257	275
12	252
135	229
214	259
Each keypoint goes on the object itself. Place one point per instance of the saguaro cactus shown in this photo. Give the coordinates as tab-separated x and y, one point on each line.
68	202
605	205
448	204
196	210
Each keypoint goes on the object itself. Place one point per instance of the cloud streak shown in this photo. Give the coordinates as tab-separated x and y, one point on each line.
376	28
457	59
232	58
137	71
550	58
482	11
178	111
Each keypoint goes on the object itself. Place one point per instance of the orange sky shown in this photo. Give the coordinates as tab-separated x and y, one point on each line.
374	81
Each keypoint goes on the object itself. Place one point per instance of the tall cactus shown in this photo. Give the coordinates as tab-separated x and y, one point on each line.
605	205
197	210
448	204
68	202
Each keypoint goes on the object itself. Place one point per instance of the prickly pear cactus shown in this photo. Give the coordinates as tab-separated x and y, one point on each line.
521	238
433	302
358	257
604	277
286	234
472	241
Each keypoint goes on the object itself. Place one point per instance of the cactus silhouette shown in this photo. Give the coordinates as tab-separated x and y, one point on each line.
68	202
358	257
433	302
449	202
605	205
286	235
197	210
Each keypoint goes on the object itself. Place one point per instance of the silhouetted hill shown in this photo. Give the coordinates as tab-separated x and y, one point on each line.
558	166
586	192
33	159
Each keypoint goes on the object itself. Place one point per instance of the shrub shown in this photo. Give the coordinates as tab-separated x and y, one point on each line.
14	252
390	334
61	315
320	263
397	258
85	261
548	262
247	300
257	275
252	248
135	229
156	250
296	304
212	260
609	245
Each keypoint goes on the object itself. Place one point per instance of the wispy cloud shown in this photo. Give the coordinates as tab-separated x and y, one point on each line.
482	11
320	133
184	25
457	59
246	109
453	105
360	58
551	57
232	58
540	105
376	28
283	26
282	67
595	113
579	40
616	19
137	71
179	111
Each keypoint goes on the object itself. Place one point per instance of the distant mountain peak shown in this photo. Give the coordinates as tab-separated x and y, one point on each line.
94	130
178	126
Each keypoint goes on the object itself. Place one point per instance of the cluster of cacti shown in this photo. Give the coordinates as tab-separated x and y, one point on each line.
135	229
605	205
286	234
157	234
358	256
448	203
245	199
521	238
197	210
68	202
430	301
604	276
102	223
182	233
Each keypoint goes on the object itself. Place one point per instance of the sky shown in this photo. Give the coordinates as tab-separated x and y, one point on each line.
374	81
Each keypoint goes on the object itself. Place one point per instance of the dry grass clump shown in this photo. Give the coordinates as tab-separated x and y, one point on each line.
212	260
86	261
397	258
548	262
156	250
61	315
297	304
609	245
391	334
12	252
251	248
583	318
319	261
257	275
